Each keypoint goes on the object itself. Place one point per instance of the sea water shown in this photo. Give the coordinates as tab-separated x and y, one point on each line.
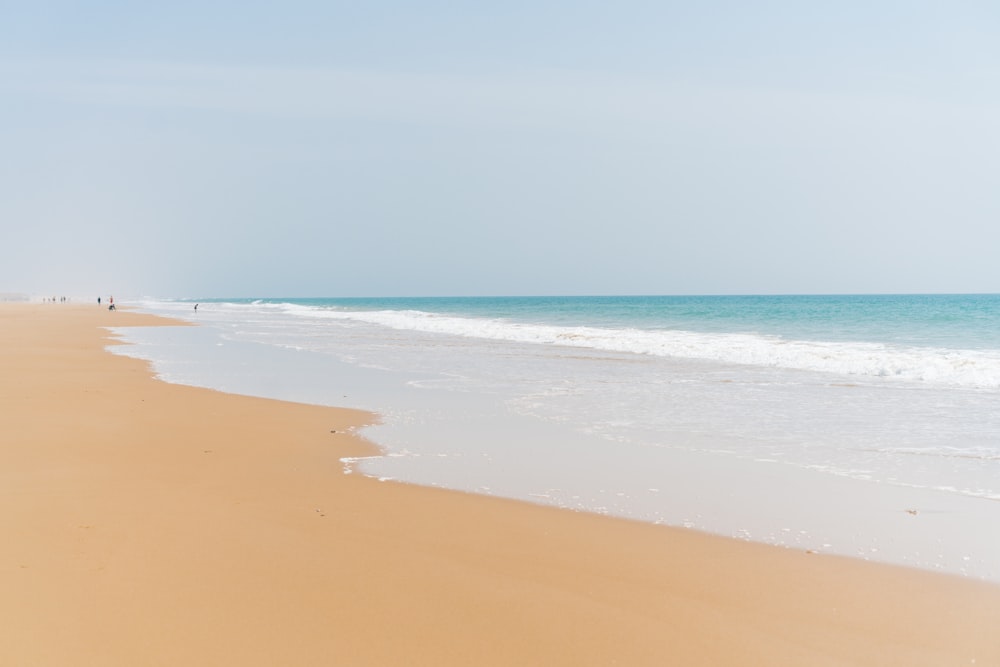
858	425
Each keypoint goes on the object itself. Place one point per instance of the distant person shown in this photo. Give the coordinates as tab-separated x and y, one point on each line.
111	303
196	306
98	301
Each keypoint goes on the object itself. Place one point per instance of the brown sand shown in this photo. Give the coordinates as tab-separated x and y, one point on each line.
143	523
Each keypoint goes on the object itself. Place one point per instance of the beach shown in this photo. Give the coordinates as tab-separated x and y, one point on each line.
861	426
149	523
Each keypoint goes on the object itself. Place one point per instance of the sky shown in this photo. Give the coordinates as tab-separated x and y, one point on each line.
199	149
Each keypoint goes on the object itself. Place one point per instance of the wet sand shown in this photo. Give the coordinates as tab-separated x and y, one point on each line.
144	524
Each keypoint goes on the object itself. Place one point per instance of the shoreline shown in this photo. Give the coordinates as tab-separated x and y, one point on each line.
462	414
149	519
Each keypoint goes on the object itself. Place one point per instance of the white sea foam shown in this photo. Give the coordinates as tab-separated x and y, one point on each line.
958	368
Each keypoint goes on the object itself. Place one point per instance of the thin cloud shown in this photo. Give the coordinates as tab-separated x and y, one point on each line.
544	99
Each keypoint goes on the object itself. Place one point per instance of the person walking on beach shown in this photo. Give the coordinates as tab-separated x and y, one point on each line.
111	303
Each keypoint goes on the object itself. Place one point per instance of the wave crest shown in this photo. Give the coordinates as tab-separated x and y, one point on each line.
962	368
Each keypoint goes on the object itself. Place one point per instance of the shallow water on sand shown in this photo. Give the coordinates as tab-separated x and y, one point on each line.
893	468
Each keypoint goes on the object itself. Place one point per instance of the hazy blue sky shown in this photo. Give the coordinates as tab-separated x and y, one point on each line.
391	148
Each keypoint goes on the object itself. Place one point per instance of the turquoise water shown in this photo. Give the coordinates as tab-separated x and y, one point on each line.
962	321
694	411
944	339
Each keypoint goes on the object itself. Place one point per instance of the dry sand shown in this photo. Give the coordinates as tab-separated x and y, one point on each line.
143	523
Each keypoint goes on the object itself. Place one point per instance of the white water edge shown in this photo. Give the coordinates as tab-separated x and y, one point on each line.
489	443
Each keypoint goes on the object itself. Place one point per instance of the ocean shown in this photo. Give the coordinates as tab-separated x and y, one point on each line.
865	426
